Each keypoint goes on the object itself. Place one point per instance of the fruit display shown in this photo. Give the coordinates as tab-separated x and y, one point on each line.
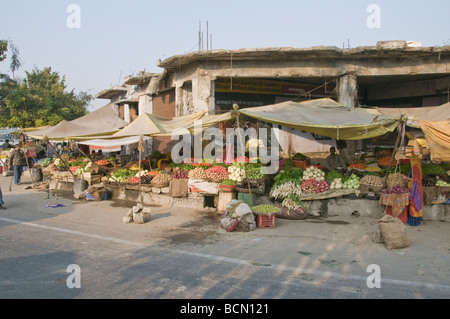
236	172
197	173
216	173
352	182
265	209
313	172
336	184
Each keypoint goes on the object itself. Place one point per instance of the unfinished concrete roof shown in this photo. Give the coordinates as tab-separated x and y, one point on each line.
383	49
141	78
111	92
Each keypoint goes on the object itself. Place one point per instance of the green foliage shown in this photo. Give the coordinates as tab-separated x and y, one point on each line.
40	99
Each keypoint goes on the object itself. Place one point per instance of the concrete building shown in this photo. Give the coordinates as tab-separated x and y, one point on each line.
389	74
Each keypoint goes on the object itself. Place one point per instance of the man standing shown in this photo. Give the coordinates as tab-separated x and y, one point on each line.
334	161
16	161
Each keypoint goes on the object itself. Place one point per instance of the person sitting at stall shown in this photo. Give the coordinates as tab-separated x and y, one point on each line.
64	149
334	161
93	155
99	155
6	145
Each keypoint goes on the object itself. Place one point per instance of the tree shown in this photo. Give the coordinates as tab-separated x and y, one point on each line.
40	99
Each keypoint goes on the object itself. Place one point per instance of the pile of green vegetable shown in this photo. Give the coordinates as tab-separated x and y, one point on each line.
433	169
265	209
121	175
332	175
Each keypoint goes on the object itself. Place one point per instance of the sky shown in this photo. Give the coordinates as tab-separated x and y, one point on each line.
95	44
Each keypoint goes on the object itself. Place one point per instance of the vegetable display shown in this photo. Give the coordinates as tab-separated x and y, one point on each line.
398	190
313	172
283	190
265	209
385	161
396	179
180	174
121	175
162	179
442	183
236	172
310	186
216	173
433	169
292	202
427	182
352	182
358	166
332	175
103	162
197	173
254	171
336	184
372	181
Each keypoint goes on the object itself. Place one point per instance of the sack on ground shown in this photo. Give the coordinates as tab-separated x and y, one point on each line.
238	216
393	231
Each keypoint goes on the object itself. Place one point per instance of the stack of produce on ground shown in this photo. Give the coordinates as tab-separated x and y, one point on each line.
292	202
216	173
236	172
398	190
336	184
197	173
352	182
313	172
265	209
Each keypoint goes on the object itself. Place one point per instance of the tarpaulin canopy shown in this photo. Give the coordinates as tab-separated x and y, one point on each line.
103	121
437	134
415	114
325	117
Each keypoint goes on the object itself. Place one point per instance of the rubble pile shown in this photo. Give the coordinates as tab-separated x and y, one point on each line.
138	214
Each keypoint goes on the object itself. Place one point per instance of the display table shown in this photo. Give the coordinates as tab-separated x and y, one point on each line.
396	205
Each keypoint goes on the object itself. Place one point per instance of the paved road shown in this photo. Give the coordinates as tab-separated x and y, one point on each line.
185	255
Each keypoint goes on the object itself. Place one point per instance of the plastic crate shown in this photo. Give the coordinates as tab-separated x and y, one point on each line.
265	221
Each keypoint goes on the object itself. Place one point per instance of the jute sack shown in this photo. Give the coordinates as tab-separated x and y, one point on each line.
394	232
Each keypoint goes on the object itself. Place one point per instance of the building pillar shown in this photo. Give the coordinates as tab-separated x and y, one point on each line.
348	96
348	90
126	113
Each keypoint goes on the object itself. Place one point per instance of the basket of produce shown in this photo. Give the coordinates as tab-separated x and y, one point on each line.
227	185
371	183
265	209
197	174
396	179
161	180
246	187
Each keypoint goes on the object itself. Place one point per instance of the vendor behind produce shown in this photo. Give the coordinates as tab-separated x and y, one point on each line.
334	161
